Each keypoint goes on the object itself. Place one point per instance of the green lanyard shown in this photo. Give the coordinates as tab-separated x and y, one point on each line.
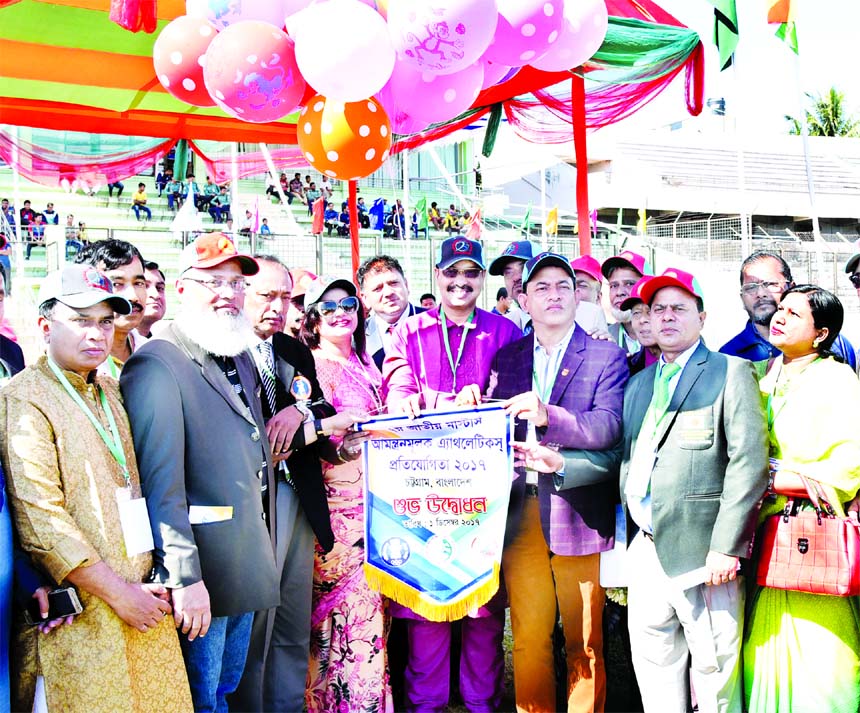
544	389
114	444
454	364
112	368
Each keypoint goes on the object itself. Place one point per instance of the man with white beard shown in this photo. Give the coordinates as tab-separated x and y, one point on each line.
193	399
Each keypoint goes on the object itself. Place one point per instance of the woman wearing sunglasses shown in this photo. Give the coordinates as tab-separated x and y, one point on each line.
348	662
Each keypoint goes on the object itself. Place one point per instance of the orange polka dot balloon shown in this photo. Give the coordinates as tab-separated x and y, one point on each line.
344	140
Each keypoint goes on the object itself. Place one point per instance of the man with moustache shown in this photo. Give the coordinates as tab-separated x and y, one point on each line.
622	271
385	292
123	264
292	402
156	300
640	321
765	275
442	358
193	398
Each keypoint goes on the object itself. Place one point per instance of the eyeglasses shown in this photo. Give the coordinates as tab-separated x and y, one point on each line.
470	273
329	307
216	284
855	279
752	288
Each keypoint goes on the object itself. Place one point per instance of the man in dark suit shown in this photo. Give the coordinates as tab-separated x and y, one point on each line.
567	391
385	292
193	400
693	474
292	404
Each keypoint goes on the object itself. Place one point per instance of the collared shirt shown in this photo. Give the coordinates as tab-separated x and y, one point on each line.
544	370
749	344
113	366
379	331
640	508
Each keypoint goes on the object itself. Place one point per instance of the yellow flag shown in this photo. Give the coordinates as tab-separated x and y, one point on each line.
552	222
643	220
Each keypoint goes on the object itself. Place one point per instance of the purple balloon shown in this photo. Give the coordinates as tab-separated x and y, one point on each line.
436	98
526	30
441	36
584	29
395	106
493	73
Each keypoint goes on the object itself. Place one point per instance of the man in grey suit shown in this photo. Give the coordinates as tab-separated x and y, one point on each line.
193	399
693	473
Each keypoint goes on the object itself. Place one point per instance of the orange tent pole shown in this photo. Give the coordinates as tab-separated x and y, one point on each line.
353	225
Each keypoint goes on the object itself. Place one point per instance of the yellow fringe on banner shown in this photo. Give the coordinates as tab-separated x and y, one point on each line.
393	588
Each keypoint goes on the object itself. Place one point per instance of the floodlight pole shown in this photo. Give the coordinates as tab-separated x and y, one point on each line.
577	95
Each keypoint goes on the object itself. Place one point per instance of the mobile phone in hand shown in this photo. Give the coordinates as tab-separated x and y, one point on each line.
62	602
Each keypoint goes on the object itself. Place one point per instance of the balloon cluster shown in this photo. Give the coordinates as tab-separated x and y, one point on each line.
362	70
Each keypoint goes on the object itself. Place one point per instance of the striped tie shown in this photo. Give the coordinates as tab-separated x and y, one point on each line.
267	373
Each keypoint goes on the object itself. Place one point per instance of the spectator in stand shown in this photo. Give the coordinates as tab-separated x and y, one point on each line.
436	219
138	202
465	221
295	189
228	227
399	223
37	235
161	180
264	228
83	236
8	213
28	215
452	220
343	219
210	190
307	185
363	217
311	194
428	301
326	188
73	243
191	186
285	185
156	299
247	226
503	302
116	185
175	191
5	267
330	219
219	206
50	215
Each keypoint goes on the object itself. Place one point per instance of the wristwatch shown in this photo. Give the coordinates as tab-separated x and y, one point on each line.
318	427
304	410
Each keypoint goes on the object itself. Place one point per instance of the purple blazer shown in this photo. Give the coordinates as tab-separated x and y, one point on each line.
585	412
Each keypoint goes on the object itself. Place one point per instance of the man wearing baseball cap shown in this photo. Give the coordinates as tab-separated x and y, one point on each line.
622	271
74	489
566	391
193	397
509	265
693	472
640	321
437	358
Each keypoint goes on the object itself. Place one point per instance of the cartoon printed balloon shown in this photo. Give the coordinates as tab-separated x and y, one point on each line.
583	31
343	49
223	13
178	56
251	72
344	140
441	36
526	30
438	97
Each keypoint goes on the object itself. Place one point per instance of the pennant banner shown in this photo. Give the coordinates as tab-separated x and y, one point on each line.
436	502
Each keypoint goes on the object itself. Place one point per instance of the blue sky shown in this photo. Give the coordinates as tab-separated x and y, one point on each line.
765	86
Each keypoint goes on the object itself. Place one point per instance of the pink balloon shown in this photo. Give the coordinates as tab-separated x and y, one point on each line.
584	29
526	30
438	97
223	13
178	56
401	122
493	73
251	72
441	36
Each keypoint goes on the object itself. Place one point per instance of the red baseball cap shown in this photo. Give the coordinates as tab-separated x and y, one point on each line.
210	250
629	259
635	294
302	278
671	277
589	265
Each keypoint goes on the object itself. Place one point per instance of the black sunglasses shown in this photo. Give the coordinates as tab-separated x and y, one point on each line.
470	273
329	307
855	279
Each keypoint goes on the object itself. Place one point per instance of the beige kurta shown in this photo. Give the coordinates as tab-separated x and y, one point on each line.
62	483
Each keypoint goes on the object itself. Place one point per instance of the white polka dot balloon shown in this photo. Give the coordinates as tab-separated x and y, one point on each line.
178	56
223	13
437	98
584	29
251	72
526	30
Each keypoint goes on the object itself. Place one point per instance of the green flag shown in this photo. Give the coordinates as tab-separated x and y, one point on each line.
421	209
725	30
784	13
787	32
526	225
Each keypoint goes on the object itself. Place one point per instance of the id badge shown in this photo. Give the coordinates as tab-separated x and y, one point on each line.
134	520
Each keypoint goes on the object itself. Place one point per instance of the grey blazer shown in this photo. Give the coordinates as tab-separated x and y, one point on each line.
712	459
198	444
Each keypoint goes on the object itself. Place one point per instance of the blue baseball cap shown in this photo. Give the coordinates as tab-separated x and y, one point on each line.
460	248
518	250
546	259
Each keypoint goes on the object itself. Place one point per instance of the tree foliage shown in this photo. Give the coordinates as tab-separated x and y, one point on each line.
827	116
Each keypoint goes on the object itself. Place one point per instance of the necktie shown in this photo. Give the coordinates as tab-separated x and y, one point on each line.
660	399
267	373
